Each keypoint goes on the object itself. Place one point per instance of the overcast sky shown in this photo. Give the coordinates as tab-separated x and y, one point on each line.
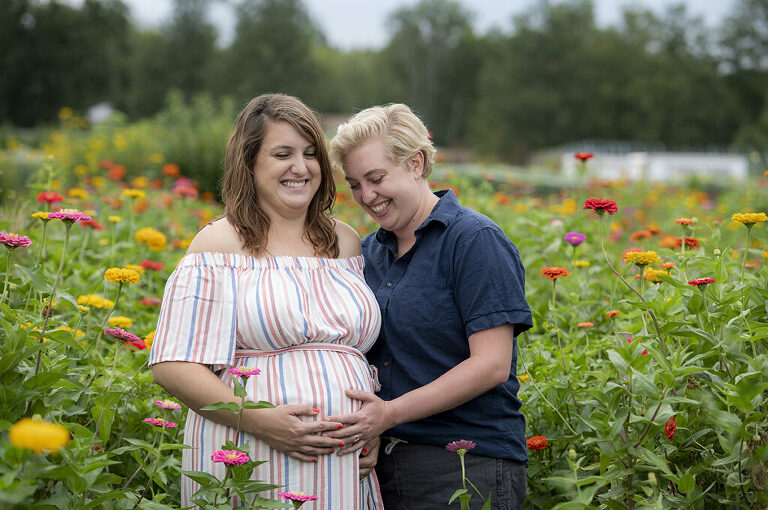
363	23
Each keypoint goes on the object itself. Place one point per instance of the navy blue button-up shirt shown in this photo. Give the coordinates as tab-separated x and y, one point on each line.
462	275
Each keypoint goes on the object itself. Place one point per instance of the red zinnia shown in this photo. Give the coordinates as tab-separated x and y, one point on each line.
611	314
600	206
690	242
553	273
670	427
537	443
701	281
116	172
49	197
149	264
583	156
95	225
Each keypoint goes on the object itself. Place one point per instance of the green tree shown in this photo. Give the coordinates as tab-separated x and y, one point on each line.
190	46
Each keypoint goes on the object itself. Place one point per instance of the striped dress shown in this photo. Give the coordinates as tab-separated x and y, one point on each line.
305	322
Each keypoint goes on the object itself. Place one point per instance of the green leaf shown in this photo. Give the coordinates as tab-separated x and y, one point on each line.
456	494
249	404
686	483
651	459
229	406
618	361
202	478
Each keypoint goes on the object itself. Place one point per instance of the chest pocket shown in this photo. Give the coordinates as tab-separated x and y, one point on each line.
429	304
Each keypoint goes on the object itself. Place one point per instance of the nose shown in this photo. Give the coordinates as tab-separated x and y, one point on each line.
299	166
367	194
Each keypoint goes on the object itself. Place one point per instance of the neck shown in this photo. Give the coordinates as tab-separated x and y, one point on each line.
406	237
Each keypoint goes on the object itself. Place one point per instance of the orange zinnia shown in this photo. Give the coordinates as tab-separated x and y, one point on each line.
553	273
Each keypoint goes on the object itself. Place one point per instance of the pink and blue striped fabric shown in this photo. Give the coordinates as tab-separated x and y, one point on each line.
305	322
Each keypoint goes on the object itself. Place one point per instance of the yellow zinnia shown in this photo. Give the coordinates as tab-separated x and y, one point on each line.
77	193
641	258
38	435
43	215
117	275
121	322
115	219
149	339
653	274
134	193
136	268
581	263
95	300
154	239
749	219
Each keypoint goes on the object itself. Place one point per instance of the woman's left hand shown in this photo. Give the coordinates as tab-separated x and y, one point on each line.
373	418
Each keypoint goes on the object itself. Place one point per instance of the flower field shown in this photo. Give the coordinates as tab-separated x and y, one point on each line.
643	381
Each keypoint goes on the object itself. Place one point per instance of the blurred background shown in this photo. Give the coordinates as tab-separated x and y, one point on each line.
519	83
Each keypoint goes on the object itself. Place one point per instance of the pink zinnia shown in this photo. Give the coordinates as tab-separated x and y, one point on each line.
600	206
122	335
159	422
49	197
150	301
583	156
297	496
244	371
168	404
69	216
230	457
461	444
701	281
13	241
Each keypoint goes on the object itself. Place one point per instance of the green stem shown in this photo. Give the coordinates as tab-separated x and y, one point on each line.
536	387
8	271
746	254
653	316
53	295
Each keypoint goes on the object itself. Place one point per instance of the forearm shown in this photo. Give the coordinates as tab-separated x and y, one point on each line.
196	386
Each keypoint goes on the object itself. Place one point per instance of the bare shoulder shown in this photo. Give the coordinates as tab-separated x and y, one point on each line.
218	236
349	240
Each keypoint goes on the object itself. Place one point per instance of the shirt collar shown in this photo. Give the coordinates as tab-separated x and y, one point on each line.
444	212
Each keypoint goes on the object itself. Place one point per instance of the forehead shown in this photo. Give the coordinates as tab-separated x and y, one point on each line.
281	132
368	157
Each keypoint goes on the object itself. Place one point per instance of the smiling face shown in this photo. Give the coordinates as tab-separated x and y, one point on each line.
286	172
394	195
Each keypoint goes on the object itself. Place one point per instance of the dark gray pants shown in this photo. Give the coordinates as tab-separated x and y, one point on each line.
423	477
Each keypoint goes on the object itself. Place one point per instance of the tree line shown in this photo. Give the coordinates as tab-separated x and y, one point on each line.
553	76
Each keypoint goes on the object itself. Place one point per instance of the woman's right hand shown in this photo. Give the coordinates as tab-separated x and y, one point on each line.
283	429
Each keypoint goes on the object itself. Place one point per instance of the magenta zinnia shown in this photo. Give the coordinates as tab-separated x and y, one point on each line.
230	457
601	206
461	444
121	335
297	496
168	404
159	422
574	238
13	241
701	281
244	371
68	216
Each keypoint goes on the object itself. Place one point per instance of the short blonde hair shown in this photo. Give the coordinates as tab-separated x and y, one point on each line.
402	132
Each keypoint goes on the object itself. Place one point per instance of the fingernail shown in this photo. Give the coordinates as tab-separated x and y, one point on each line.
340	426
314	460
341	444
331	451
315	409
365	452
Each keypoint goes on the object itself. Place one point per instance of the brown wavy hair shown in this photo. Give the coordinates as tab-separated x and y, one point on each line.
238	189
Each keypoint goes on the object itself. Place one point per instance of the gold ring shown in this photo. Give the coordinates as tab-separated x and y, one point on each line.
357	438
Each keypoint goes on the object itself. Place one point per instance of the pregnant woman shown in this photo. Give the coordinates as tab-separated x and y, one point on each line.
275	285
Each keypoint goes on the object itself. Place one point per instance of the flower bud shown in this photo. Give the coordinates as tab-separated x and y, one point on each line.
572	454
716	252
756	438
652	477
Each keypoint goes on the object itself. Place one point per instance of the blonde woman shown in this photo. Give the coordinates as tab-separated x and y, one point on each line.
451	289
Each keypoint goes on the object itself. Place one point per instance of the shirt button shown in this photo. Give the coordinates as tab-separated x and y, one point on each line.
386	363
389	284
